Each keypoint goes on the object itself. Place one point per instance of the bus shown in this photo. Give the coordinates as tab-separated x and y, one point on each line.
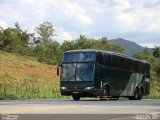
103	74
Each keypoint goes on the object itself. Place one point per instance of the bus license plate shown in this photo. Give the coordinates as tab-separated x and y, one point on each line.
75	92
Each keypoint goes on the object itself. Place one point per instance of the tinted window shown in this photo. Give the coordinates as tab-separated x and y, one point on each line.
107	60
115	61
77	72
85	72
79	57
100	58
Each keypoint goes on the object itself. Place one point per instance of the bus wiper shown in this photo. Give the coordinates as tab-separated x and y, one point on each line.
80	77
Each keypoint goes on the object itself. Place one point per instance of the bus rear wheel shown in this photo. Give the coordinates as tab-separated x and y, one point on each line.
76	97
140	94
136	95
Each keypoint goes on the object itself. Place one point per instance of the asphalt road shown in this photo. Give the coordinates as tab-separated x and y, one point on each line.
90	109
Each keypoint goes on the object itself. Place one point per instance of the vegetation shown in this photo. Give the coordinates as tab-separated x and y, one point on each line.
42	46
154	71
26	78
22	78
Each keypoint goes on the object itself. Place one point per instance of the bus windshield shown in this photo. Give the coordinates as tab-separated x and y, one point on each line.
77	72
79	57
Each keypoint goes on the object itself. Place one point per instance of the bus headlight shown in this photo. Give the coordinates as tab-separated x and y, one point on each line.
88	88
63	88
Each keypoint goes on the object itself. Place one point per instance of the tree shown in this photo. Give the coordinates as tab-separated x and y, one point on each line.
45	32
156	52
82	42
68	45
1	37
49	54
144	55
14	40
87	43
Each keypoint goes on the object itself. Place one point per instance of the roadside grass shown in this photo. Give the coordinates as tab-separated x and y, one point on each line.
155	88
25	78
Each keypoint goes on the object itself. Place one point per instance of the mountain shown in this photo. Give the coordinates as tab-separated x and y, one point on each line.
130	47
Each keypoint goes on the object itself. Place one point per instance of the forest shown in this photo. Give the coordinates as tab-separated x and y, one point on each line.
42	46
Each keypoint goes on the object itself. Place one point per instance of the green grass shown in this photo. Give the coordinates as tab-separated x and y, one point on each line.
25	78
155	88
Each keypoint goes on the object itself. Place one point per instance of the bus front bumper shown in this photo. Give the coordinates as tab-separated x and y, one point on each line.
80	92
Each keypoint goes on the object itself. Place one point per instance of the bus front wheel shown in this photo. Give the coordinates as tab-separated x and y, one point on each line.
105	93
136	95
76	97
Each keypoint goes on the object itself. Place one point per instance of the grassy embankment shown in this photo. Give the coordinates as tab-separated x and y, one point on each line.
25	78
154	88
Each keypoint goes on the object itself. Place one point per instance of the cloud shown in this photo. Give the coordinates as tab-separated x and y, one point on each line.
70	9
138	17
63	35
9	12
149	45
3	24
138	21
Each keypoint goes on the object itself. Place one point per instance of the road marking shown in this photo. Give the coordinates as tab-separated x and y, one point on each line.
38	109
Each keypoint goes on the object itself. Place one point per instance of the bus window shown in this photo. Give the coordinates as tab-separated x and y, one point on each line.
99	72
107	60
79	57
121	63
99	58
114	61
128	64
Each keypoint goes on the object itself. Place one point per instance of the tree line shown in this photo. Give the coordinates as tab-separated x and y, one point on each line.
42	44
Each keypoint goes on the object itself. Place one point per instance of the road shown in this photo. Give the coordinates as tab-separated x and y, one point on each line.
91	107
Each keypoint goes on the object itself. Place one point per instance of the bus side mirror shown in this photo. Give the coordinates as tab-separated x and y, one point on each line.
57	71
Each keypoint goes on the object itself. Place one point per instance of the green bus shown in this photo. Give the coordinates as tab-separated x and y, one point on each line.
97	73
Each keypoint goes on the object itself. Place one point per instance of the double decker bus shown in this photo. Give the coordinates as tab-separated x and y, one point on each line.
97	73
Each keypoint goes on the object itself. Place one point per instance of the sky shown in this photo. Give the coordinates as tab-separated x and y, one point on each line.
134	20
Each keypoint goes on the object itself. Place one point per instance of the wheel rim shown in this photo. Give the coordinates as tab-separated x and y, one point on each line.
105	92
136	94
140	94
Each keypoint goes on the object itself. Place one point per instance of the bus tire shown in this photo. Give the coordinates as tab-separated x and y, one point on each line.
140	93
131	98
76	97
135	96
105	93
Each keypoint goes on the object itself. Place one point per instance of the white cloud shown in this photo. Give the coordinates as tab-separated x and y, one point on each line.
3	24
26	1
63	35
149	45
127	21
122	4
9	12
135	20
74	11
135	17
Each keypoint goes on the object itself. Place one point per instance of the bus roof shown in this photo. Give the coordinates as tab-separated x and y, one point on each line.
105	52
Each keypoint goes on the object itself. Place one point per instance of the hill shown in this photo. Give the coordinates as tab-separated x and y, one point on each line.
130	47
23	77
